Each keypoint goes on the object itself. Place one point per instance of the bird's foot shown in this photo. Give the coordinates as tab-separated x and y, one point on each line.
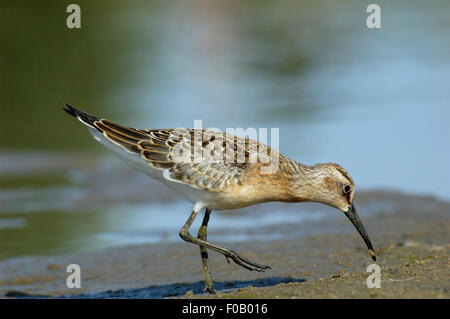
211	290
243	262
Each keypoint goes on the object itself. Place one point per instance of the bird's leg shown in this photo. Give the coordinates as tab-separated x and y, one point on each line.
229	254
204	253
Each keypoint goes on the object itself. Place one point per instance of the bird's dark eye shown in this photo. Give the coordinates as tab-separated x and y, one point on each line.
347	189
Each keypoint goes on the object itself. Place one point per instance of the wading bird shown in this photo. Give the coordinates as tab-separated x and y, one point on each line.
219	171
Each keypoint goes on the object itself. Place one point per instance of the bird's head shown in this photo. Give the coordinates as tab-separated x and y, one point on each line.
330	184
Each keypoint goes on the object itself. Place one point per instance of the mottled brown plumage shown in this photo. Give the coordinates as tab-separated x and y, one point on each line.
219	171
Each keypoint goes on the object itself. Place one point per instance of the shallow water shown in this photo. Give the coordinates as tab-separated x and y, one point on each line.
375	101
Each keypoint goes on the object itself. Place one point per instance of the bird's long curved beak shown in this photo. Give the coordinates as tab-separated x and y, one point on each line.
354	218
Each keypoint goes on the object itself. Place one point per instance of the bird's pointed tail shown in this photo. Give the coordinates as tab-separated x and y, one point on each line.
81	115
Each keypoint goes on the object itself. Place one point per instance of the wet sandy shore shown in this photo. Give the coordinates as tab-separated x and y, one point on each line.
412	243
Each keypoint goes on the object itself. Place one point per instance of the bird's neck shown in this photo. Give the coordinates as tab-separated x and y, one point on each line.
305	182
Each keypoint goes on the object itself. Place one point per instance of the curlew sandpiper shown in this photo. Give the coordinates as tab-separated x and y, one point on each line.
206	167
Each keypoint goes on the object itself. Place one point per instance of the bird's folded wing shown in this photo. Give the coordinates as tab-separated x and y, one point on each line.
210	161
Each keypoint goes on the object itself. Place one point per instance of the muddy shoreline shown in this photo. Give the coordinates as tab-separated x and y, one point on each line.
411	242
